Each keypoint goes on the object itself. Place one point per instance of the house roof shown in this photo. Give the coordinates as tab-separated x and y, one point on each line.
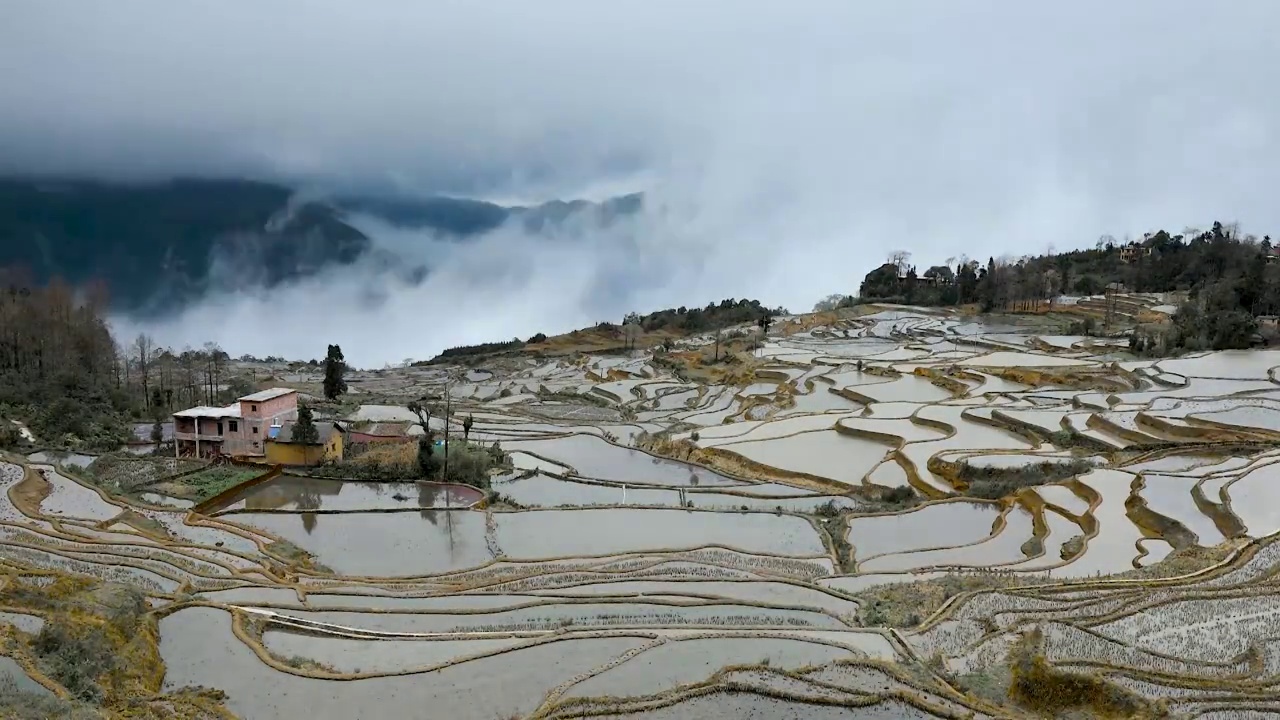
268	394
204	411
284	433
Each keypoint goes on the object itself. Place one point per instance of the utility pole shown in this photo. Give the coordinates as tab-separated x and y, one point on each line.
448	401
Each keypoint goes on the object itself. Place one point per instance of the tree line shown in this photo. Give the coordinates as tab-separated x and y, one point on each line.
65	375
1231	279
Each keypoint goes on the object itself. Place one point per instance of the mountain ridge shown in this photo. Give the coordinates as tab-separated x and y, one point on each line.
160	246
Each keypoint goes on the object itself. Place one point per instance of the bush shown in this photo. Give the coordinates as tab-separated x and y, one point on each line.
901	495
991	483
540	337
75	661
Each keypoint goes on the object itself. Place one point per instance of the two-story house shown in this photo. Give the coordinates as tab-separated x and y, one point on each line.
239	429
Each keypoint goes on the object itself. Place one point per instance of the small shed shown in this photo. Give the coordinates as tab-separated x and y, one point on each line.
282	449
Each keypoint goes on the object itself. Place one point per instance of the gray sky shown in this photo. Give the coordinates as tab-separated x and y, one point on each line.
786	146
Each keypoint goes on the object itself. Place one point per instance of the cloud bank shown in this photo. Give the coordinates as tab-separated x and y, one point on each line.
784	148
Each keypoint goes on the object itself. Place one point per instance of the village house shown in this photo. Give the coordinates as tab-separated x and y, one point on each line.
237	430
282	449
1134	250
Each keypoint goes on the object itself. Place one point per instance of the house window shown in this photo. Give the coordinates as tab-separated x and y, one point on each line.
253	408
255	442
233	425
255	432
219	427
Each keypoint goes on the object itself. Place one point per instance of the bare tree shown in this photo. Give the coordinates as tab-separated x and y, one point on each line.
213	370
899	258
144	348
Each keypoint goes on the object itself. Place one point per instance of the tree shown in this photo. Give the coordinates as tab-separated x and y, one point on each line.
157	433
631	332
765	321
940	273
335	368
144	346
830	302
898	259
304	428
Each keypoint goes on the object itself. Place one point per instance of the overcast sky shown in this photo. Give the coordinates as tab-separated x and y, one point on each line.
786	146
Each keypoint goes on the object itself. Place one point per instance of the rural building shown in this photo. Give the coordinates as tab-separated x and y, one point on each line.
237	430
282	449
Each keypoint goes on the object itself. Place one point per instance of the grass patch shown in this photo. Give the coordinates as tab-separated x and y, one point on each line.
18	705
208	483
122	473
295	555
904	605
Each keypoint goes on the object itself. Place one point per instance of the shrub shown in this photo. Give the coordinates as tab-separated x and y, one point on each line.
76	661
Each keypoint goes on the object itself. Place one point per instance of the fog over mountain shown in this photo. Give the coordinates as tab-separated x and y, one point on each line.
782	149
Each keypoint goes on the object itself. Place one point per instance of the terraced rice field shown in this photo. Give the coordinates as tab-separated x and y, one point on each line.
901	515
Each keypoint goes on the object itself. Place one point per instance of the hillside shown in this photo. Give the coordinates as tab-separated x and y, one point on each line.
1223	281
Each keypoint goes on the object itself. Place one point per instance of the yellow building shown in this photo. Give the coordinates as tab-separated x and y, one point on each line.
282	450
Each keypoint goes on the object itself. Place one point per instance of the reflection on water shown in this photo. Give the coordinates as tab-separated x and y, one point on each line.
301	494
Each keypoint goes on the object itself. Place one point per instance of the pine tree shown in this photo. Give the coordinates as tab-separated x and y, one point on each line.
335	367
304	428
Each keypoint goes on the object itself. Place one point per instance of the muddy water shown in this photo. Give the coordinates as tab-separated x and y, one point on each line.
292	492
198	648
941	524
595	458
555	533
1003	549
435	541
382	544
686	661
824	453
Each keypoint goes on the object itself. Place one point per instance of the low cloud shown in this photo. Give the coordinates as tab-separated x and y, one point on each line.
784	148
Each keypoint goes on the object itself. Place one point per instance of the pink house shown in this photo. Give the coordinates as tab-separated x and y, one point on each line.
239	429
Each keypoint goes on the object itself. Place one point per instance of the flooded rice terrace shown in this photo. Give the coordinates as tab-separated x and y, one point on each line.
895	514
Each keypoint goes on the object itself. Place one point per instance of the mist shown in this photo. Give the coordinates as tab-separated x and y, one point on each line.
784	148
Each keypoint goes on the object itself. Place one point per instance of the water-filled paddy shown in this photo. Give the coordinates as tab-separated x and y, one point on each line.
674	663
593	457
199	649
297	493
434	541
942	524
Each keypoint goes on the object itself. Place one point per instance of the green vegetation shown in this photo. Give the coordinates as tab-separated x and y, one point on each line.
123	473
99	643
993	483
1231	280
335	368
63	374
469	463
713	317
18	705
678	321
208	483
463	351
159	242
304	428
75	660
